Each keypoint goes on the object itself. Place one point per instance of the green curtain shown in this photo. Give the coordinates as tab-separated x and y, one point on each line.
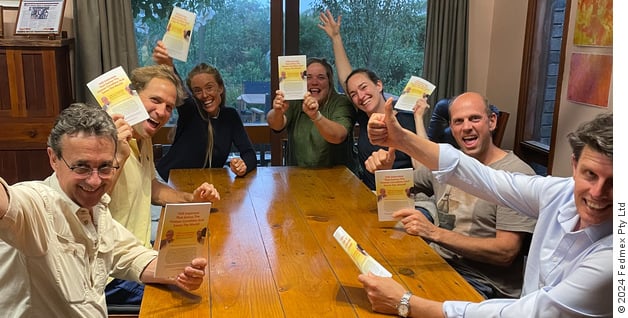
105	38
445	62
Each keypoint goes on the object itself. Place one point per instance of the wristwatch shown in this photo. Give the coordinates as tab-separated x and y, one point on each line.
403	308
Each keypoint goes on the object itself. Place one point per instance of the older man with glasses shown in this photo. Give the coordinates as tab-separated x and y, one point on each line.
58	241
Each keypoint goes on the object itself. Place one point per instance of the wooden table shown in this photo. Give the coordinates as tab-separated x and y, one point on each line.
272	253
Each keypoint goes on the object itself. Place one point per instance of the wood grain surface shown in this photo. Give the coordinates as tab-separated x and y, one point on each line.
272	253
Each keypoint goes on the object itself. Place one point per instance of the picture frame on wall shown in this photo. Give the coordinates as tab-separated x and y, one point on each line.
40	17
594	24
590	78
10	3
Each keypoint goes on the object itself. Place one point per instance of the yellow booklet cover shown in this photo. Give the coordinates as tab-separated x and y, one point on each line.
183	231
113	92
179	33
365	262
392	188
415	89
293	76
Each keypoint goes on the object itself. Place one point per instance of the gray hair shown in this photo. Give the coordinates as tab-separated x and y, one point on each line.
81	118
597	134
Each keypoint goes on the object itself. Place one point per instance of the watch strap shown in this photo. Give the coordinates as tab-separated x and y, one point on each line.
403	308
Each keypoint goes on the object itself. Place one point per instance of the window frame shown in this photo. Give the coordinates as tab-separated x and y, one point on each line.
529	108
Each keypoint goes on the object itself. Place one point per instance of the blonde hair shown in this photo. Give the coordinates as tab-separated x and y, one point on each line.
204	68
142	75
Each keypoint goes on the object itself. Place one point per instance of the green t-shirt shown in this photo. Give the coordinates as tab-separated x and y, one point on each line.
307	147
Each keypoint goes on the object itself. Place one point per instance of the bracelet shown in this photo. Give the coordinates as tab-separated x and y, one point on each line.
319	116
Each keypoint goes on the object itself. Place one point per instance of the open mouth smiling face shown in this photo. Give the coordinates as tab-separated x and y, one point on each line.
317	81
207	92
159	98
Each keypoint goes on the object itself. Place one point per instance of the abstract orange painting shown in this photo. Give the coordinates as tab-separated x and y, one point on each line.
594	23
590	79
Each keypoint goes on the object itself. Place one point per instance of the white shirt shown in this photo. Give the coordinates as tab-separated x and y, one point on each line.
568	273
54	261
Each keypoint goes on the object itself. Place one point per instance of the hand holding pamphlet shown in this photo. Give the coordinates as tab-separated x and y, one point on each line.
293	76
365	262
393	191
113	92
182	235
179	33
415	89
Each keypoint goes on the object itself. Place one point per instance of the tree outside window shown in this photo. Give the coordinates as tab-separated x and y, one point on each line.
234	35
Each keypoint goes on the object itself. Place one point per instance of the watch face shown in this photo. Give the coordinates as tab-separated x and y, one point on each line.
402	310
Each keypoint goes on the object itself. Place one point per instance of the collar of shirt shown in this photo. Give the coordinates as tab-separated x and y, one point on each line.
568	217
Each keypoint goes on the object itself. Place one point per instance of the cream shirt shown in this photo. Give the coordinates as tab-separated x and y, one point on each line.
131	195
54	261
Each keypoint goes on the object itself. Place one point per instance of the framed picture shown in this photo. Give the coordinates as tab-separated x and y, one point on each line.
10	3
39	17
594	23
590	79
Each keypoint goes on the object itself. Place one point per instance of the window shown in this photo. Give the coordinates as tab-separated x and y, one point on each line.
393	50
541	82
235	36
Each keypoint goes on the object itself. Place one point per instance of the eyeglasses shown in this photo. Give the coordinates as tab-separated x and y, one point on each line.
208	90
104	172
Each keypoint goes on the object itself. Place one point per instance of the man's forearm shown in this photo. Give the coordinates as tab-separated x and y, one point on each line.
501	250
148	274
162	193
420	149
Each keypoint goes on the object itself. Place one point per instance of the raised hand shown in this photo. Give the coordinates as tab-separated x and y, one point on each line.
279	103
125	134
380	160
420	107
160	54
310	106
329	25
384	129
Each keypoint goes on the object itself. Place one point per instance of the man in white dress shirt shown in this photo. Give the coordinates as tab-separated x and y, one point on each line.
569	271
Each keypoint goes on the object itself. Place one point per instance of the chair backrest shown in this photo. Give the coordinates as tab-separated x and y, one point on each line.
500	128
439	131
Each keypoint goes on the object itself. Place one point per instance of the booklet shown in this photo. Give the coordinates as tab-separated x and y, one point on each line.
365	262
392	188
113	92
415	89
179	33
182	235
293	76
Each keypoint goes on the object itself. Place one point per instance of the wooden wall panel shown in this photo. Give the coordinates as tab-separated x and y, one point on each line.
24	165
35	84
